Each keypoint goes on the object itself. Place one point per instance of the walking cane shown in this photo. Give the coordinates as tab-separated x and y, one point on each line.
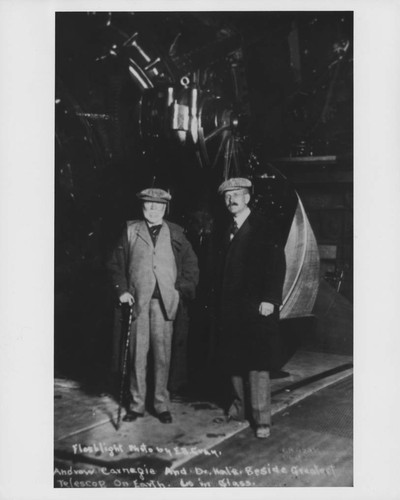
124	366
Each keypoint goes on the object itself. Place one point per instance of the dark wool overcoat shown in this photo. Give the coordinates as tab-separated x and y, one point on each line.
252	270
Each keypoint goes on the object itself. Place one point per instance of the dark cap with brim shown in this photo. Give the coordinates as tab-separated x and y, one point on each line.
155	195
234	183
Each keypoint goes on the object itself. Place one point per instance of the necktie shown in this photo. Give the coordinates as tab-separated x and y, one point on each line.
154	230
234	229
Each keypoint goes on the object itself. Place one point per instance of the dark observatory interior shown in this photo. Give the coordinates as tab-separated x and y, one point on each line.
182	101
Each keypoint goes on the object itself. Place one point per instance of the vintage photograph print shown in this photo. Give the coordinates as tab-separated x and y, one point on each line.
203	302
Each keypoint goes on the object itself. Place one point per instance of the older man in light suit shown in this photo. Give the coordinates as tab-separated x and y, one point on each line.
153	268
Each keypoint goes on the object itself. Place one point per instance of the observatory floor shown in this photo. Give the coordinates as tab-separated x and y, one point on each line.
89	449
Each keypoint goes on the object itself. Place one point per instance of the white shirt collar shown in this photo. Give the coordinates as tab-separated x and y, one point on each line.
151	224
240	218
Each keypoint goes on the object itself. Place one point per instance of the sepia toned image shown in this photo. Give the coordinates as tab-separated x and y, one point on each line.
203	244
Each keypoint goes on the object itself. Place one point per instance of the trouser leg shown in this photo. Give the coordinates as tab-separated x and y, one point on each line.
160	338
237	408
260	396
139	348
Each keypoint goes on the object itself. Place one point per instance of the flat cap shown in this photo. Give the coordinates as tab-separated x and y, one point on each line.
154	194
234	183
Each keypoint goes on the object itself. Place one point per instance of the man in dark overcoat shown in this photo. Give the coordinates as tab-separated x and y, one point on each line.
152	268
252	275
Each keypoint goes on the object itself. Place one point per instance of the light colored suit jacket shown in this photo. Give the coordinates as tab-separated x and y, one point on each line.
148	264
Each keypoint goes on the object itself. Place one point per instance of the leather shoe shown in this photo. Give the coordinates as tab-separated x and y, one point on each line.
263	431
131	416
165	417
